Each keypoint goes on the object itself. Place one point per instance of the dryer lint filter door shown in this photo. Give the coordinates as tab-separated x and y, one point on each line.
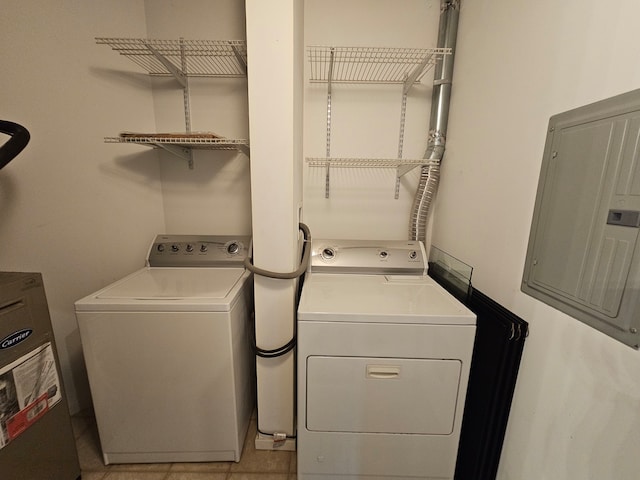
382	395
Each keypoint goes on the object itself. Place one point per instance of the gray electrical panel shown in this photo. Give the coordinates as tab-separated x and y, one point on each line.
583	256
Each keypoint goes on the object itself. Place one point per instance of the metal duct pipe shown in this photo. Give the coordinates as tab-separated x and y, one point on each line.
443	73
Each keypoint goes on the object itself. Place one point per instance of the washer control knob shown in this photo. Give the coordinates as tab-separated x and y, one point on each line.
204	247
189	248
233	248
384	254
160	247
175	248
413	255
328	253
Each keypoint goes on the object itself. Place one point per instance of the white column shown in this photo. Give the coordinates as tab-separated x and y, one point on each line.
275	76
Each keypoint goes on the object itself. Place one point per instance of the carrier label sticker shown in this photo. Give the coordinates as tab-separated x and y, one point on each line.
15	338
25	418
29	387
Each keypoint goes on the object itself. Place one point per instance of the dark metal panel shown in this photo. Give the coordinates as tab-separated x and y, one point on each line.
46	449
499	343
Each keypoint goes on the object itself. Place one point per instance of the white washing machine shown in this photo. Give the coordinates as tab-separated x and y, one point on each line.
168	354
383	364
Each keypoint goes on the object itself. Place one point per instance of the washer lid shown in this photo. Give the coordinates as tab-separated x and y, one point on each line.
380	299
170	289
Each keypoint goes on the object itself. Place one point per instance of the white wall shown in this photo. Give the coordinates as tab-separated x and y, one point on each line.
78	210
214	197
365	119
575	412
83	212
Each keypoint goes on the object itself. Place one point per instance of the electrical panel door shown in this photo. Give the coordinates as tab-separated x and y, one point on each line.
582	255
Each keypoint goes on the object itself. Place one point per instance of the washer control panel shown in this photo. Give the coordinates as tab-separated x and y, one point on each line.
398	257
198	251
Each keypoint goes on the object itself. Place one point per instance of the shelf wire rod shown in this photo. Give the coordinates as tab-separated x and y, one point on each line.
196	64
388	69
383	68
360	68
377	68
222	64
218	66
150	64
311	55
368	68
237	64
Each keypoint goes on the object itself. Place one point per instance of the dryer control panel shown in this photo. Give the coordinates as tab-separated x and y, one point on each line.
375	257
198	251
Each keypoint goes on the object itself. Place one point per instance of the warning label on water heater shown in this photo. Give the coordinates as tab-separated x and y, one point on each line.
29	387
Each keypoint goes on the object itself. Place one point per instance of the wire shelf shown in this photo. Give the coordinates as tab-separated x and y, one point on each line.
367	162
183	141
203	58
401	165
371	64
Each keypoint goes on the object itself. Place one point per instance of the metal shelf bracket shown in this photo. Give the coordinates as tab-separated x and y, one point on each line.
417	72
243	148
241	60
176	72
181	152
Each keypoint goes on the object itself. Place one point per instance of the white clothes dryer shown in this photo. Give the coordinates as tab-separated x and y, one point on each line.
168	353
383	364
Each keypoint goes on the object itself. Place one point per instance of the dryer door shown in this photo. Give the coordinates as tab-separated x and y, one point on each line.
382	395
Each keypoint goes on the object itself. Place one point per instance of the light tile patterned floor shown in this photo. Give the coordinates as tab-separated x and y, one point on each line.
254	464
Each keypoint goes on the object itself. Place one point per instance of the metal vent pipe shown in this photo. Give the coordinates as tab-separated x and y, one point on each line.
441	96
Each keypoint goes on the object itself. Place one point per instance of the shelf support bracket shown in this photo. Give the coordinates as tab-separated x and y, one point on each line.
239	58
181	152
178	75
401	171
244	149
415	73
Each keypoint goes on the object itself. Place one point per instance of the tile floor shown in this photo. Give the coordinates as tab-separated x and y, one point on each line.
254	464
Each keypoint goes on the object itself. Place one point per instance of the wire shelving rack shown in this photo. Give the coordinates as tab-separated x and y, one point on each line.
370	65
181	59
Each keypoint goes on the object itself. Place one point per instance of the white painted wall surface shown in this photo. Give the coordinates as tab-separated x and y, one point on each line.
365	119
78	210
214	197
575	412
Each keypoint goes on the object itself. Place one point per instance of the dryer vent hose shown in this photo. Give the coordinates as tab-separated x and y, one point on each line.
304	263
288	275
